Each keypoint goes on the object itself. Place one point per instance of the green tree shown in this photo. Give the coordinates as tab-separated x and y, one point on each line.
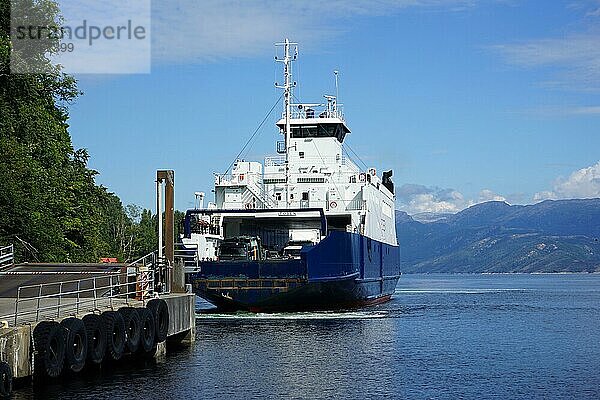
50	205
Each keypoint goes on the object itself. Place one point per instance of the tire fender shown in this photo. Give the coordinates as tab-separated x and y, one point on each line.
115	334
148	332
76	344
49	345
96	335
132	328
160	310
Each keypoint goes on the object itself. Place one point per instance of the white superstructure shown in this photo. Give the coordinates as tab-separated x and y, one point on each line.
310	171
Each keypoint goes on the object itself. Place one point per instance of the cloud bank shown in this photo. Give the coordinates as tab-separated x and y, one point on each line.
209	30
581	184
416	199
576	57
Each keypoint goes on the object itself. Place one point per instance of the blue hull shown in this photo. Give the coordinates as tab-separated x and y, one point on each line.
343	270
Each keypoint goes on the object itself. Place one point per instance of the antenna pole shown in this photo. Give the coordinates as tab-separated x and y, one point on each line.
287	95
337	91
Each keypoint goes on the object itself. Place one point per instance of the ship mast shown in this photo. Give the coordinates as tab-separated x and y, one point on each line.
287	96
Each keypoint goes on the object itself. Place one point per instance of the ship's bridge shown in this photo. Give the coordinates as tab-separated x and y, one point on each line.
316	121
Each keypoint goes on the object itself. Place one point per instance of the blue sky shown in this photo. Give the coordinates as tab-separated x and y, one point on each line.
466	101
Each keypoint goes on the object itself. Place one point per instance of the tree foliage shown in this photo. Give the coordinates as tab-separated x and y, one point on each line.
50	205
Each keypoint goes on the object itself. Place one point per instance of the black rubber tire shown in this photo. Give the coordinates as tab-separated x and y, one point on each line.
115	334
148	332
133	327
96	335
49	342
76	344
159	309
6	380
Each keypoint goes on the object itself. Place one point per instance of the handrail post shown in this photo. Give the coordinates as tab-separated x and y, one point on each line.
60	287
127	284
95	295
37	314
78	294
17	304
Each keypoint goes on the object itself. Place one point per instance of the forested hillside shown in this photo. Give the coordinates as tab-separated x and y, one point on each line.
50	206
552	236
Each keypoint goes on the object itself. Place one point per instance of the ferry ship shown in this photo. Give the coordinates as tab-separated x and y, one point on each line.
306	229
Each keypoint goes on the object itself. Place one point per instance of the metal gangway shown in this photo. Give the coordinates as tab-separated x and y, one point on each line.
134	283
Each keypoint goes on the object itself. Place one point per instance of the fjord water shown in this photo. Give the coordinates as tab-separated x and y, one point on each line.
442	336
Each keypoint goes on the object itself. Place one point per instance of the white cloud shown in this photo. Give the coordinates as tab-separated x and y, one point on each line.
591	8
415	199
590	110
581	184
488	195
429	203
563	111
208	30
576	56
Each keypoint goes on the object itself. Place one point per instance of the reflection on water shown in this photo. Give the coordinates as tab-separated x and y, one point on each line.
442	336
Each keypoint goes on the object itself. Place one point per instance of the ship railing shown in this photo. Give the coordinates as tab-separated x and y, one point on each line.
7	256
229	178
356	205
56	300
310	111
350	164
205	229
278	161
274	161
265	200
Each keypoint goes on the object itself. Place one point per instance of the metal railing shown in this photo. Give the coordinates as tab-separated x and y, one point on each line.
148	261
315	111
188	255
7	256
60	299
160	267
356	204
318	160
274	161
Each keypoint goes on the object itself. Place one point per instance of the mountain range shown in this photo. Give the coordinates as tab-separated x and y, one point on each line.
495	237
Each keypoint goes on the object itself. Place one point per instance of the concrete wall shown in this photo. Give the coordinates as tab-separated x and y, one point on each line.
15	349
182	316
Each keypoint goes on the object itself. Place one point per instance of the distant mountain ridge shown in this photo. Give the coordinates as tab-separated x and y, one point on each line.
551	236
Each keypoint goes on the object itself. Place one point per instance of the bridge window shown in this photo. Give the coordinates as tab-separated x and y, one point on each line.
320	130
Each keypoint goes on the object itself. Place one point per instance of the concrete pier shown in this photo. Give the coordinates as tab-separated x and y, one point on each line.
35	294
86	313
16	342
